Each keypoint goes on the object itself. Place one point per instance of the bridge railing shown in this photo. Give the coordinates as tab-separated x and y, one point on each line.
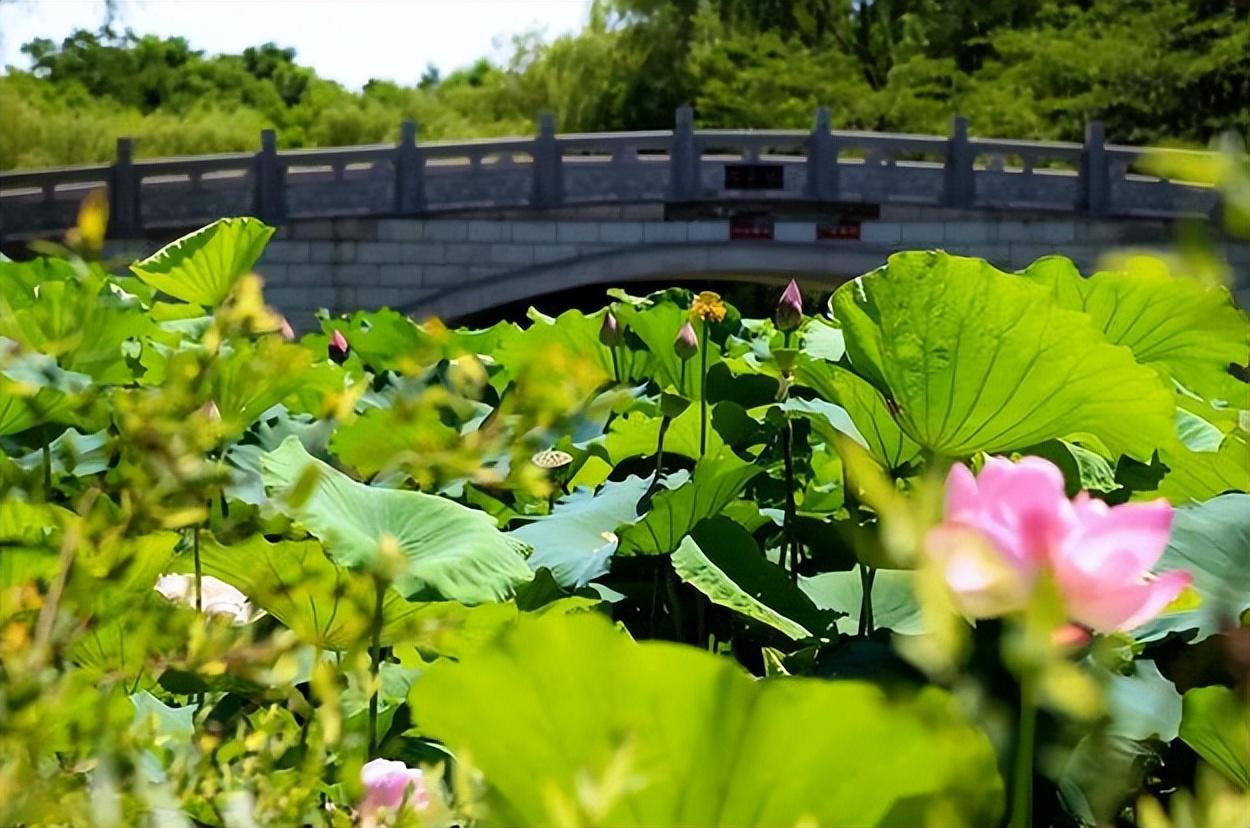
683	164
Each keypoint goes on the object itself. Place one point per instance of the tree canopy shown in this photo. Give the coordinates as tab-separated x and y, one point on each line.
1154	71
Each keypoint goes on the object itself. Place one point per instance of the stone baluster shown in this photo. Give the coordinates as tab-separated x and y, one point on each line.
958	185
822	160
124	213
684	167
269	195
548	186
1095	178
409	172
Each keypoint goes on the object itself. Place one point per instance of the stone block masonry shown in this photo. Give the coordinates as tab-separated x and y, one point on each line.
348	264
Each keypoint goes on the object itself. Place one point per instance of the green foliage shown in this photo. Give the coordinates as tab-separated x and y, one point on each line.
202	267
469	551
650	734
978	360
1154	72
447	551
1216	725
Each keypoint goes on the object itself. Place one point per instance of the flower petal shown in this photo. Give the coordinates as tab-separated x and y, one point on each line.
1139	530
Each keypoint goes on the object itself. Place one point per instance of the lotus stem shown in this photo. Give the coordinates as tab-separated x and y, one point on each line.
674	602
199	570
867	575
791	542
703	393
375	664
1022	772
47	471
659	453
616	366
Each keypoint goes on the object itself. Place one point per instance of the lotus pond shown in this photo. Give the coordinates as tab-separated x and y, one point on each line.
951	547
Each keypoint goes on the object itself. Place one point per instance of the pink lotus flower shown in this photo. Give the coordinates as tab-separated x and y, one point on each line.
388	782
288	333
1013	521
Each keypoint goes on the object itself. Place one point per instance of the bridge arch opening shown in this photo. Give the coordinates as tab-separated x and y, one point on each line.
749	272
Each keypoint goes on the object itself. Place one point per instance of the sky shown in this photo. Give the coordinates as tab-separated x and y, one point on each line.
350	41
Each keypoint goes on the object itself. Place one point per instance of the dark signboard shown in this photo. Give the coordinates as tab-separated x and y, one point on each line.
754	177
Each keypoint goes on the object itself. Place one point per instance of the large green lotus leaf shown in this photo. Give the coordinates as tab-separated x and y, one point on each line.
867	408
656	323
1215	722
387	339
1143	704
722	561
83	325
830	421
202	267
578	334
386	438
331	607
597	729
252	377
978	360
894	603
636	433
451	551
73	453
1196	433
571	540
1211	541
1187	330
35	391
1195	476
716	481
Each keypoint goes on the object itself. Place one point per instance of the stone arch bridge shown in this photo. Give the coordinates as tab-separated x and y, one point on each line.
456	228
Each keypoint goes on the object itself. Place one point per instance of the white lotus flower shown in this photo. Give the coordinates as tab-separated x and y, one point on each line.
217	596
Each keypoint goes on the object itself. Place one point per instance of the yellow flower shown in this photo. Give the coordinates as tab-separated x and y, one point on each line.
708	307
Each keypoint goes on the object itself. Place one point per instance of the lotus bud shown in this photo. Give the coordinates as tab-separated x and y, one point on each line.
392	784
686	344
288	333
211	412
610	333
790	308
338	347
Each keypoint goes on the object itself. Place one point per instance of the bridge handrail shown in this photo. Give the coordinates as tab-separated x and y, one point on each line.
683	148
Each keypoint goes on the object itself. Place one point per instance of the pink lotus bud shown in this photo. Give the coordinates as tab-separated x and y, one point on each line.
211	412
288	333
790	308
390	784
1006	526
686	344
338	347
610	333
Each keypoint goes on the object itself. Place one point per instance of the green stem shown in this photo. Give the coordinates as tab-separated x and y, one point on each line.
867	575
47	471
659	453
616	366
703	394
199	570
1022	772
791	511
674	603
375	663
